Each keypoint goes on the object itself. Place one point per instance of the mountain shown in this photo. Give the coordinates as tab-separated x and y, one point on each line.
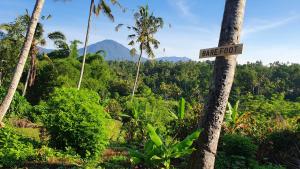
44	50
118	52
173	59
114	51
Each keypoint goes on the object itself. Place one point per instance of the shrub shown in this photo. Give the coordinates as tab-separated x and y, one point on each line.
117	162
19	106
236	152
75	119
237	145
14	149
238	162
282	148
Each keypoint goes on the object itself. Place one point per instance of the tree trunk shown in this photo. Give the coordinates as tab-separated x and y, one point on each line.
137	75
86	43
224	69
22	59
26	83
0	78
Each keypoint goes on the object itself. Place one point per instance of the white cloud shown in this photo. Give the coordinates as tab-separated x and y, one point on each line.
259	25
183	7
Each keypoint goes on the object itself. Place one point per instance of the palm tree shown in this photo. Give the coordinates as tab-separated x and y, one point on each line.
224	69
95	9
146	25
22	59
59	40
18	29
37	40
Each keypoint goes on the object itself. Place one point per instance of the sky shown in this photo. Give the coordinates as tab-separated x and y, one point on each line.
271	30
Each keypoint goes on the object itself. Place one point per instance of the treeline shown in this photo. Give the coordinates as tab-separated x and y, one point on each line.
170	81
191	79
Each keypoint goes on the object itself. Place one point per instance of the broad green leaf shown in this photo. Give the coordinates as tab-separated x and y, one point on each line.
154	136
135	160
155	157
236	106
181	108
228	115
187	142
173	115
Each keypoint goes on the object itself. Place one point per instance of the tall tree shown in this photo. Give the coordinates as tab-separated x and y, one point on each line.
22	59
38	39
74	49
146	25
224	69
16	31
95	9
59	40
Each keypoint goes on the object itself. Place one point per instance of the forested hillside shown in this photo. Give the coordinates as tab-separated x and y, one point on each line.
139	115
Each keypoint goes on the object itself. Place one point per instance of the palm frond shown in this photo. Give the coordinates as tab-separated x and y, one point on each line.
106	10
46	17
96	9
149	50
133	52
117	28
131	43
132	36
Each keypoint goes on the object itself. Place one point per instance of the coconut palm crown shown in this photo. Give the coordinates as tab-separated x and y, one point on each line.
144	29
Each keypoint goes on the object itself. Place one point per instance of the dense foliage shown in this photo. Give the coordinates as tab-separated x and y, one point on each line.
19	107
14	148
75	119
58	125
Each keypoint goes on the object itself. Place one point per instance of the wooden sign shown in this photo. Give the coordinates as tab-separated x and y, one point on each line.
221	51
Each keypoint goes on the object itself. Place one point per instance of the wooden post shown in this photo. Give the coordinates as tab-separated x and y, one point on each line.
224	69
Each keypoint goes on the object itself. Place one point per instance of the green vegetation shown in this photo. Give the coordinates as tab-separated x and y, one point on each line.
101	126
75	119
156	154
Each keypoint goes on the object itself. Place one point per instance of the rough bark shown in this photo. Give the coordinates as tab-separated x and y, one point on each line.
22	59
85	44
137	75
224	69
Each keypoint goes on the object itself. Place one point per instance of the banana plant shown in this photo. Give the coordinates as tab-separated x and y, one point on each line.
157	154
232	114
233	117
180	114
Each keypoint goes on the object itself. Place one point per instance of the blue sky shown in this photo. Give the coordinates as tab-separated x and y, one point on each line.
271	27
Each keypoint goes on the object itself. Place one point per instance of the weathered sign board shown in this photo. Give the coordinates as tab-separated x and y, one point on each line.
221	51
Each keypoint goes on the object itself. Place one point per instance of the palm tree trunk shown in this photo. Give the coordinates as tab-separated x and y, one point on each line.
224	69
85	44
137	75
26	83
22	59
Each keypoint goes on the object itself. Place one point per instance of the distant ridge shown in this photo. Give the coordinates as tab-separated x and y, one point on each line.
114	50
173	59
44	50
118	52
